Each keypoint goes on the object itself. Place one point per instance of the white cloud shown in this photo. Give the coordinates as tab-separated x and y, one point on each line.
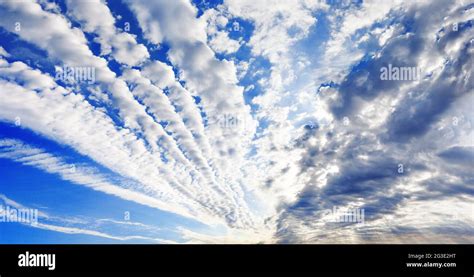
221	43
54	223
95	17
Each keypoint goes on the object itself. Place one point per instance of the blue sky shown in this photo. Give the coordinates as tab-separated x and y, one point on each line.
236	121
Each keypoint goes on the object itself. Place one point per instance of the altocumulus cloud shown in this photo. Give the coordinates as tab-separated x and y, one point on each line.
242	121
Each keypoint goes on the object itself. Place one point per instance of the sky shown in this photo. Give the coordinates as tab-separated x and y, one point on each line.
237	121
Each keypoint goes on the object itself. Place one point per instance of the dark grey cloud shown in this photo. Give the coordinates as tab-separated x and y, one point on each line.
459	154
417	112
368	159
